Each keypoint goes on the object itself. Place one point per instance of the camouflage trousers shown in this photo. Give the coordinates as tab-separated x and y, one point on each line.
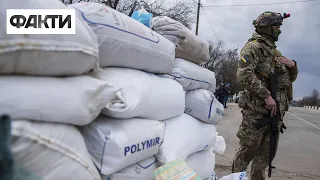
254	146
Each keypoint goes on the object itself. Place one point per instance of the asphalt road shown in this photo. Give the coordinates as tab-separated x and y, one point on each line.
298	156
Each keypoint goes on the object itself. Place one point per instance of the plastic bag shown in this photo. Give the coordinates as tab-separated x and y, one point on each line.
143	17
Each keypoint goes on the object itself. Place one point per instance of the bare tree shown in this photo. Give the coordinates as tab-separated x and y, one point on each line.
216	52
224	64
227	70
183	11
180	10
314	98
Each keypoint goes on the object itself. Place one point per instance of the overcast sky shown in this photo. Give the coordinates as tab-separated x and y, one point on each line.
299	40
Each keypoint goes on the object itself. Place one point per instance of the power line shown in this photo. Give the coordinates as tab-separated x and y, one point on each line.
209	23
261	4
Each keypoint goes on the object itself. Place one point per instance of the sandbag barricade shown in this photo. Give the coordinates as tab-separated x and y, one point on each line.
192	76
142	95
73	100
184	136
46	54
52	151
125	42
203	105
188	45
142	170
202	163
115	144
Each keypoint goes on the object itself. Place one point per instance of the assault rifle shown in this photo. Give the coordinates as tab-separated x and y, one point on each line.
272	120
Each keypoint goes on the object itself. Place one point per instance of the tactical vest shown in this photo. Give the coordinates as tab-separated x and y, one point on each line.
283	72
262	72
284	85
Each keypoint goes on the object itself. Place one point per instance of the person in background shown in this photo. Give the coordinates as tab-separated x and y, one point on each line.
218	93
226	95
223	94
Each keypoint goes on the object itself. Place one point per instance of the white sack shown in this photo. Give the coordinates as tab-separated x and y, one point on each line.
220	146
125	42
142	95
235	176
202	163
192	76
117	143
188	45
74	100
53	55
202	105
52	151
185	135
142	170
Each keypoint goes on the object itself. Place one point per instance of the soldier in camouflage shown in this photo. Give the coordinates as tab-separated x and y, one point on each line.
259	56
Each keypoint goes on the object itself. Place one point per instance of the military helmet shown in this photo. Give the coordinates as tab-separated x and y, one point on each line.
269	18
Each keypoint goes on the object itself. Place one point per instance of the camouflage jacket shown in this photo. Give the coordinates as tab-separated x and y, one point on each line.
256	59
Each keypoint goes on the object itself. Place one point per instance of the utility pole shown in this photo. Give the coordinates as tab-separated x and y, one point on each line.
198	14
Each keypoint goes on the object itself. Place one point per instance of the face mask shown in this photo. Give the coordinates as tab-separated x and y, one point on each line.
276	32
270	31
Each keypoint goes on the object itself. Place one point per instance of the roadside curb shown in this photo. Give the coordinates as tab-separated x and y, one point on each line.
312	107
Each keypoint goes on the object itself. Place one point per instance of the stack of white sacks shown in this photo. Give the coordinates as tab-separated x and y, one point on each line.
111	102
45	90
125	138
192	136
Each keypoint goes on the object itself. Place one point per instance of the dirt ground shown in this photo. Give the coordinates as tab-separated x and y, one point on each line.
298	156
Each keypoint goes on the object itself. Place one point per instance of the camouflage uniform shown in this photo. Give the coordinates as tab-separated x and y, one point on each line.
257	58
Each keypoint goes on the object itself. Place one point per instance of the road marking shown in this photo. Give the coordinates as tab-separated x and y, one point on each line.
304	120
